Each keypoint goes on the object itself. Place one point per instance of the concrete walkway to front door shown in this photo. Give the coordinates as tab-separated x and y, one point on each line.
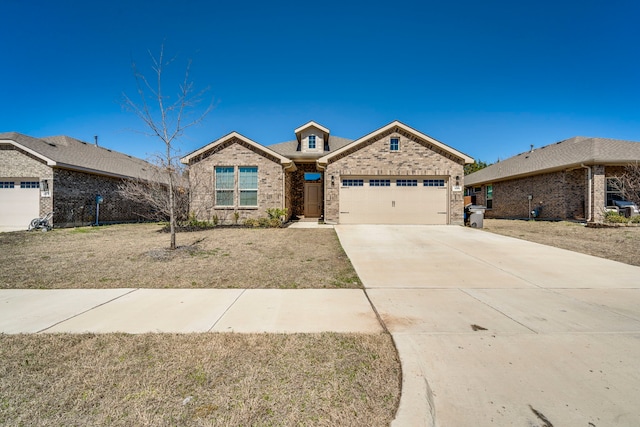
493	330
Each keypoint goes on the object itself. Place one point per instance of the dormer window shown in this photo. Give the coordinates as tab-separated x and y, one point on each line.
394	144
312	142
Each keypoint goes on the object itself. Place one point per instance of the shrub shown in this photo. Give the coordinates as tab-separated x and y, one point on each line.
635	219
276	213
615	218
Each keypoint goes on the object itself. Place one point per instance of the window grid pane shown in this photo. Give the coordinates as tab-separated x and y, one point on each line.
394	144
6	184
407	183
312	141
433	182
224	178
248	198
379	182
352	182
30	184
224	197
248	179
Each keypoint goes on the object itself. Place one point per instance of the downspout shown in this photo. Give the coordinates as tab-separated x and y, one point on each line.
589	186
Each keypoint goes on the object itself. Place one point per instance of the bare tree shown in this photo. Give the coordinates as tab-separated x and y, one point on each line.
166	118
628	183
151	195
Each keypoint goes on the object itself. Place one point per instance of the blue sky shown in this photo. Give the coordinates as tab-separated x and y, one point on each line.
487	78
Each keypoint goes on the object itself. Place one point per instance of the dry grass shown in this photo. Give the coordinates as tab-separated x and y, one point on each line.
619	244
135	255
198	380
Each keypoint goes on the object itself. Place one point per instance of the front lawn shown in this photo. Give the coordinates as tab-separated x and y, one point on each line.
135	256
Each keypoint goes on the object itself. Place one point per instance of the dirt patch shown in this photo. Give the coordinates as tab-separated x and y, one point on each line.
198	379
136	255
618	244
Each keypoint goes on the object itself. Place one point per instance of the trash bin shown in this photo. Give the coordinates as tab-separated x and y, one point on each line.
476	215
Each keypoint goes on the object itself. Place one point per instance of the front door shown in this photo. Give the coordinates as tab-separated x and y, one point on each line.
312	199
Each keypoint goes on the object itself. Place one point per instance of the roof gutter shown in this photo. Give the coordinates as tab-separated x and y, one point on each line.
589	186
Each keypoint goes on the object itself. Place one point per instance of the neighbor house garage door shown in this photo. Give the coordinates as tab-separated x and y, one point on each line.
393	200
19	203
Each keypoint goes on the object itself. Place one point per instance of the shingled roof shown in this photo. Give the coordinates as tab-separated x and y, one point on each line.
565	154
290	149
70	153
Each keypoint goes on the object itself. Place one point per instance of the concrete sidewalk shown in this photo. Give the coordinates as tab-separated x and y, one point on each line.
493	330
186	310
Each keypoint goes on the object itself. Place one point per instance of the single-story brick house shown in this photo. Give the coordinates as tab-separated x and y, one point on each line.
393	175
63	175
567	180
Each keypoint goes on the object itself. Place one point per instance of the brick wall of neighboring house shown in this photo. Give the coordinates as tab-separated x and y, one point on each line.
297	187
74	200
16	163
234	153
556	195
417	158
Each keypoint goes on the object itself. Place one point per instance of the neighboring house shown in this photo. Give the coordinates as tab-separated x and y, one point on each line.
393	175
568	180
63	175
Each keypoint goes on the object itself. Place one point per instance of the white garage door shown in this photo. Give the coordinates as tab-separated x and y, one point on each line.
393	200
19	203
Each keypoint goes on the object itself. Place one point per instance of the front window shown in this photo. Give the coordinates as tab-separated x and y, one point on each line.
248	185
394	144
225	184
312	142
614	191
489	199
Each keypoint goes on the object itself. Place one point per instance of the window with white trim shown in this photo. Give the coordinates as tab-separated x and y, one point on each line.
489	199
225	185
394	144
248	185
312	142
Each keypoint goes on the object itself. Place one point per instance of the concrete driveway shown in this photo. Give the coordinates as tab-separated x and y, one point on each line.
493	330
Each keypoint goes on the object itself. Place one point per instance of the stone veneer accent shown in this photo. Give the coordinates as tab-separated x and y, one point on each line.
235	153
415	158
297	187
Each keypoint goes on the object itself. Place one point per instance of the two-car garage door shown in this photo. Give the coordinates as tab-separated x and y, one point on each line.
393	200
19	203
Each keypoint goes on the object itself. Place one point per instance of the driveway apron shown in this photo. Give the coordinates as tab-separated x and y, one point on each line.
493	330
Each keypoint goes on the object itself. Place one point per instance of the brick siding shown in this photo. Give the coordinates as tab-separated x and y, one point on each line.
415	158
234	153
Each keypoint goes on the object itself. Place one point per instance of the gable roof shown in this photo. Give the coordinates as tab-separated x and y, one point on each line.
399	125
291	150
309	124
70	153
565	154
287	163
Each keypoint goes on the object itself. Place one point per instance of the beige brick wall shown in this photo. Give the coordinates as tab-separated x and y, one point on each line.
235	153
15	163
415	158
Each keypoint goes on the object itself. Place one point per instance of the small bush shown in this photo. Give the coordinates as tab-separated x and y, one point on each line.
276	213
615	218
635	219
263	223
